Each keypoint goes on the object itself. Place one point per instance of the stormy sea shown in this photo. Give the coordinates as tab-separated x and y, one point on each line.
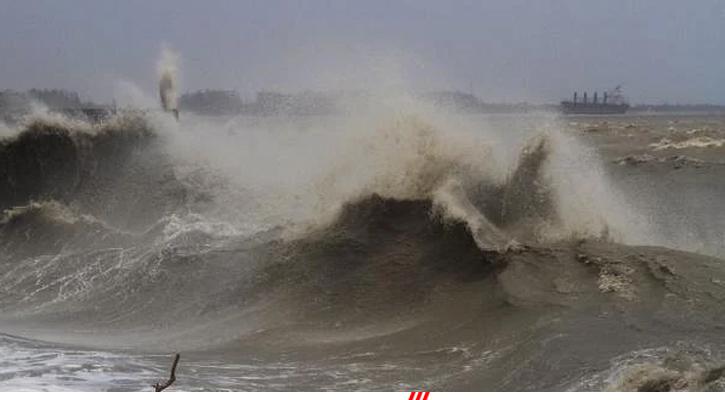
389	247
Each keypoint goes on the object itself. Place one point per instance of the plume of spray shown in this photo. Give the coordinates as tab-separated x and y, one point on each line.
167	68
289	171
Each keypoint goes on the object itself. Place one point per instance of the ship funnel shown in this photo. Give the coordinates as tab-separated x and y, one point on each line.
585	97
574	97
595	97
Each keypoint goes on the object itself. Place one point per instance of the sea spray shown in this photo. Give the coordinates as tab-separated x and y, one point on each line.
167	68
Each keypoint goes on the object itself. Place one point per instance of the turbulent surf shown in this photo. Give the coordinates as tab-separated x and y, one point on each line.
390	251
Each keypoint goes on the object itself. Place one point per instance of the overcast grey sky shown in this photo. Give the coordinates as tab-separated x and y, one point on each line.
663	50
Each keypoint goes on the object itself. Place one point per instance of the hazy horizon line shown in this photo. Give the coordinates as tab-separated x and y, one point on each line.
246	96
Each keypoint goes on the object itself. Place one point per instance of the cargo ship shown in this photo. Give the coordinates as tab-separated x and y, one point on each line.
611	103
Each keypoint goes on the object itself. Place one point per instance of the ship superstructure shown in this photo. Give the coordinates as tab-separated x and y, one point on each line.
612	102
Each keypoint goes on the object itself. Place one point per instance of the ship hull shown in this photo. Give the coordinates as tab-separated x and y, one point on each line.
568	107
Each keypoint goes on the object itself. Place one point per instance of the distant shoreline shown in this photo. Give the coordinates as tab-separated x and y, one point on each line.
229	103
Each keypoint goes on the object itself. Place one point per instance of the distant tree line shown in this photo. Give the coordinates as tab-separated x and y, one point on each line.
212	102
12	101
55	99
469	103
14	105
221	102
229	102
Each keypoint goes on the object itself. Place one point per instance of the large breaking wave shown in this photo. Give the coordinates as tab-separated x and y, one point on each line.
400	240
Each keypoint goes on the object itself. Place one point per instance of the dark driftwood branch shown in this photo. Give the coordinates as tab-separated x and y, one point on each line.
158	387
